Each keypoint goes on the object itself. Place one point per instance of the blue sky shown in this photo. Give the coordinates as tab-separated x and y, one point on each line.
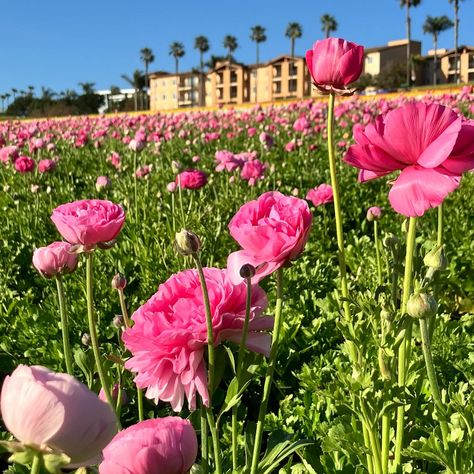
58	43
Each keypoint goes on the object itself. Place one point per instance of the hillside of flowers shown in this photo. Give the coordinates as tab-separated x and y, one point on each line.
285	289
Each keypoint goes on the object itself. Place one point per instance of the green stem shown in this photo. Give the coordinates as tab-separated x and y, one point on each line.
135	186
93	328
385	442
204	451
211	362
35	466
440	225
64	324
141	415
337	207
370	464
405	344
426	346
180	194
240	361
269	375
374	442
377	253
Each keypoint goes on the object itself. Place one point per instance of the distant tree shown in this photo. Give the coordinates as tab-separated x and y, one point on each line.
213	60
137	81
14	92
147	57
408	4
201	43
434	25
87	87
257	34
115	90
230	43
177	51
456	38
329	24
31	90
293	31
2	98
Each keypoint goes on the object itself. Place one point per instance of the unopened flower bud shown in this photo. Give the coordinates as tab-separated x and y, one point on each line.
176	166
436	258
117	321
374	213
187	242
383	366
86	339
119	282
247	271
421	305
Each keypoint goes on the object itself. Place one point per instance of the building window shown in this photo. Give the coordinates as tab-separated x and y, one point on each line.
174	82
293	69
233	76
277	70
292	85
163	83
233	92
277	87
174	96
369	59
470	77
164	97
471	61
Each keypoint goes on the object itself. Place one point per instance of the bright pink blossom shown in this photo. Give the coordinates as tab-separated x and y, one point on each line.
54	259
24	164
8	153
320	195
271	230
56	413
253	171
169	336
334	63
430	144
88	222
46	166
157	446
191	179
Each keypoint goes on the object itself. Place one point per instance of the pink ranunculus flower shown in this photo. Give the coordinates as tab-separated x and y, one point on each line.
374	213
102	182
160	445
89	222
115	394
171	187
115	160
8	153
56	413
320	195
24	164
191	179
253	171
136	145
54	259
334	63
45	166
272	230
430	144
169	336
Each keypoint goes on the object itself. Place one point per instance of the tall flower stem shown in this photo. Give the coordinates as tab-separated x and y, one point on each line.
64	324
269	375
385	442
128	325
135	186
440	224
211	362
204	452
440	241
240	361
93	328
377	252
180	194
426	346
405	344
337	207
35	466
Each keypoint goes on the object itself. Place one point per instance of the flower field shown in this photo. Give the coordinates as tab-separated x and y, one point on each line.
315	373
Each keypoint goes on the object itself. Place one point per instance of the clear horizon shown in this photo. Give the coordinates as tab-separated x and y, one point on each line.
56	45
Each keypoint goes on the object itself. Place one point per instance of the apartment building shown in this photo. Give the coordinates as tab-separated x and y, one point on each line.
383	58
465	65
228	84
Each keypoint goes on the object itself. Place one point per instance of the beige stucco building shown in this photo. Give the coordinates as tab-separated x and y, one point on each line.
465	65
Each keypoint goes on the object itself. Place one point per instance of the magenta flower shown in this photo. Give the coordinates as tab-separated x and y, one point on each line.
46	166
160	445
334	63
191	179
24	164
169	337
253	171
88	222
271	230
430	144
320	195
56	413
54	259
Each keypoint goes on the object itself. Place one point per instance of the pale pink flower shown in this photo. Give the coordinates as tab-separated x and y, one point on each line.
374	213
54	259
169	336
8	153
46	166
253	171
156	446
102	182
171	187
320	195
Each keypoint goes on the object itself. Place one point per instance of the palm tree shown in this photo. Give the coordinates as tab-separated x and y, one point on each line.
293	31
88	88
2	98
408	4
177	51
31	90
456	38
434	25
201	43
137	81
146	57
14	92
230	43
257	34
329	24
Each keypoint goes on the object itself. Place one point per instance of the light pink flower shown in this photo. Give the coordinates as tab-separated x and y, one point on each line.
54	259
24	164
136	145
157	446
45	166
115	160
334	63
226	160
102	182
271	230
374	213
8	153
55	412
320	195
253	171
115	394
169	337
191	179
171	187
431	144
88	222
143	171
